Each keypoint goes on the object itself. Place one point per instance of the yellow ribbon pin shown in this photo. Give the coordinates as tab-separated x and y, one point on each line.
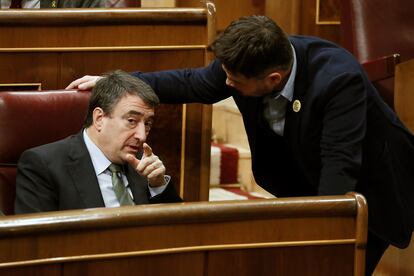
296	105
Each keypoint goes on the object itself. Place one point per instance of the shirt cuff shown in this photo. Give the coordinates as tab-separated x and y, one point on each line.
158	190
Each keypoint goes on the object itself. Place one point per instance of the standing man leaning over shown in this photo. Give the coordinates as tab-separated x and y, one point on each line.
315	123
98	167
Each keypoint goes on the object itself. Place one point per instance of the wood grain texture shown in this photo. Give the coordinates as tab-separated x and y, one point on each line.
236	238
403	93
300	17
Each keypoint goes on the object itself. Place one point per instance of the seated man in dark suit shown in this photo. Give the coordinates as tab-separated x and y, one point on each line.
98	167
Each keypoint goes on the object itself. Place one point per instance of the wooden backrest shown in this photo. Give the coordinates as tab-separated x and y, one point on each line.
381	72
49	49
291	236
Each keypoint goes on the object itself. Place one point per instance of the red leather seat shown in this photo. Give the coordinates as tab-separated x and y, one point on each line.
372	29
29	119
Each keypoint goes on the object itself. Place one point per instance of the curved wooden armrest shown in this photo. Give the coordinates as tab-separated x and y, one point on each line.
403	93
381	68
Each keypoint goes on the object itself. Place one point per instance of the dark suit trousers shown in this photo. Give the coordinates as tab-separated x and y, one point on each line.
375	249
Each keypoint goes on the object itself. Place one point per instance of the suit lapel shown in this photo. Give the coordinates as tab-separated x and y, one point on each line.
292	122
83	174
293	112
138	186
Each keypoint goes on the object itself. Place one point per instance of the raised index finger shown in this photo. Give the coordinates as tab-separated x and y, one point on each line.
147	150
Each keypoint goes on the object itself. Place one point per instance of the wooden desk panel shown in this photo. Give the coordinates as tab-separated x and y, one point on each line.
302	260
77	64
23	68
309	236
22	38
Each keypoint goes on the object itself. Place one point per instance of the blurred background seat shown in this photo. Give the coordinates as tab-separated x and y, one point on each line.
373	29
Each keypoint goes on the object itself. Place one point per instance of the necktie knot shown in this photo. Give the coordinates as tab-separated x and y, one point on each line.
114	168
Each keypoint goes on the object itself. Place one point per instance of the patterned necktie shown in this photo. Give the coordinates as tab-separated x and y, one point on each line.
120	190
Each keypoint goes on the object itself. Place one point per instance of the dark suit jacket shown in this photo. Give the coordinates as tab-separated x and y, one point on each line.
47	4
60	176
344	138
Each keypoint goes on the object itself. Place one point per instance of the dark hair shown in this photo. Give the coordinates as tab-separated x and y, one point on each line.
252	45
115	85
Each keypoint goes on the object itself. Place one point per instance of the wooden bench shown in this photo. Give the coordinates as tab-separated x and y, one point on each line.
292	236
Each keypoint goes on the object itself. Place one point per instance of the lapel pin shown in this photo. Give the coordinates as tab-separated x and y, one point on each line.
296	105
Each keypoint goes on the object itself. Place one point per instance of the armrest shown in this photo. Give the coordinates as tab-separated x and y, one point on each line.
403	93
381	68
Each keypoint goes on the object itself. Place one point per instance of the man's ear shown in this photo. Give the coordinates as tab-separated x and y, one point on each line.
98	116
275	78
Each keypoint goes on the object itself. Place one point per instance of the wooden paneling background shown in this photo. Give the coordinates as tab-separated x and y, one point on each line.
307	17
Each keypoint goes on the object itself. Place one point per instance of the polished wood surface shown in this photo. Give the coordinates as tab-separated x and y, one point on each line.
396	262
228	10
268	237
381	73
304	18
54	47
403	93
103	16
381	68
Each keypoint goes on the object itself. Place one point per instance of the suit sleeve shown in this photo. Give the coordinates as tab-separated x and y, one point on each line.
169	195
34	190
344	127
202	85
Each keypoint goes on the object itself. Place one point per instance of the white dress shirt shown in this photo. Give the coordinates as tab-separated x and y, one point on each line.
101	164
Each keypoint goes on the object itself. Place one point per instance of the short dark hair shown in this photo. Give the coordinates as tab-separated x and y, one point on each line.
115	85
252	45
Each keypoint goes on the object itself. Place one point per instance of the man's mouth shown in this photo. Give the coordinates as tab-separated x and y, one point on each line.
133	148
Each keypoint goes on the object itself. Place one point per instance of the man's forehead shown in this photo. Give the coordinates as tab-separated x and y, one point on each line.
134	104
234	76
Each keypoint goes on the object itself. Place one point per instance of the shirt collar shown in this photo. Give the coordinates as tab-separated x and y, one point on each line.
99	160
287	91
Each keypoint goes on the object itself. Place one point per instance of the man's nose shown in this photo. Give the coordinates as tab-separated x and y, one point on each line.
140	132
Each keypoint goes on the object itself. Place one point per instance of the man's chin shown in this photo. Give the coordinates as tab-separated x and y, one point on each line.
132	152
125	154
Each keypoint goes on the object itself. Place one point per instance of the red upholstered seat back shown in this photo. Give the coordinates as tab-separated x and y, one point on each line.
371	29
29	119
376	28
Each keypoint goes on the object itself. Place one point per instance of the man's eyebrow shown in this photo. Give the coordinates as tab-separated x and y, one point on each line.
134	112
138	113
